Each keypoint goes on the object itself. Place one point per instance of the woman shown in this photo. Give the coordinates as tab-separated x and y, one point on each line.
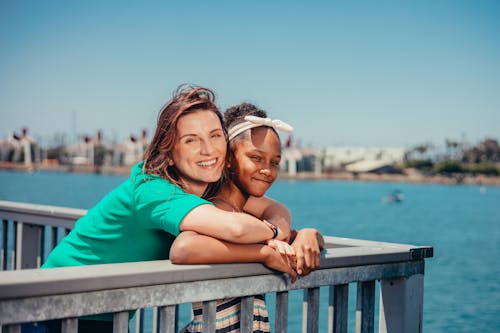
253	163
139	220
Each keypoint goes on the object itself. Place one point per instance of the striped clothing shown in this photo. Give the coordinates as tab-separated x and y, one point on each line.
227	318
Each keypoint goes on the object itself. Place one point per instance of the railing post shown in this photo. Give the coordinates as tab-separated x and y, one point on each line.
365	307
246	317
11	328
28	247
338	308
69	325
167	316
281	320
120	322
3	245
310	310
209	311
401	305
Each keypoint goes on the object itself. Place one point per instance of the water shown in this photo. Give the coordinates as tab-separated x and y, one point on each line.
462	223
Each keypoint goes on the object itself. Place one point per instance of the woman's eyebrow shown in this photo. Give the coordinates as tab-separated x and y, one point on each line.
194	134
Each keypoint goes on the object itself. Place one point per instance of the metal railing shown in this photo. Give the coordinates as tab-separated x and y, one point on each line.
28	294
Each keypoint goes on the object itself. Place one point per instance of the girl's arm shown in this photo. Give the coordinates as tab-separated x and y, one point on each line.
271	210
233	227
192	248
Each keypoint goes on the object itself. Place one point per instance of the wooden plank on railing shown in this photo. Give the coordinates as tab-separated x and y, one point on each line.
338	308
310	310
69	325
281	320
167	319
209	311
246	318
120	322
365	307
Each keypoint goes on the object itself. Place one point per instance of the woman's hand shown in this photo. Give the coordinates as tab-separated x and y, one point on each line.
307	245
285	250
279	262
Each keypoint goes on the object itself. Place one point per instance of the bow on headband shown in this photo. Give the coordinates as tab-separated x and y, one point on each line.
253	121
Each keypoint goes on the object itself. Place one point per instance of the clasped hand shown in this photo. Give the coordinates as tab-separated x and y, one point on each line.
300	258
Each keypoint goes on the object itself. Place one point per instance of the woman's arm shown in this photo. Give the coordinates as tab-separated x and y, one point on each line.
271	210
233	227
192	248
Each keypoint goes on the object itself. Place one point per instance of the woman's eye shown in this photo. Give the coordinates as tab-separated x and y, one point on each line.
275	163
256	158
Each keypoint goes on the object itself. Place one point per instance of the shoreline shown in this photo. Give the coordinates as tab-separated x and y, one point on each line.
414	178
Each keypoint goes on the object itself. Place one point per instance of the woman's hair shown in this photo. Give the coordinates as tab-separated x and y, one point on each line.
187	99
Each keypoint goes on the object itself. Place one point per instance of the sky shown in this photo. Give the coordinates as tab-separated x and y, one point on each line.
343	73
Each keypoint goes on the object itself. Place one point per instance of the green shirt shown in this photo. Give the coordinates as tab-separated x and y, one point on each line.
137	221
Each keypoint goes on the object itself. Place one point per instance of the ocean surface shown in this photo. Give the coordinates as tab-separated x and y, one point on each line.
462	223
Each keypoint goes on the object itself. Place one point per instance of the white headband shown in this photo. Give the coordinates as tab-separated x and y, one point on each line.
253	121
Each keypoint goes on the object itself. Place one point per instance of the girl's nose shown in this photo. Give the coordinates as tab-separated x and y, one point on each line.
265	171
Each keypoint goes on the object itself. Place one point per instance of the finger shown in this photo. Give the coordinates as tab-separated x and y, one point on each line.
293	275
317	260
300	262
308	257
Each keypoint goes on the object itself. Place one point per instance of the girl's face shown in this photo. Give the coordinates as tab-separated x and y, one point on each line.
200	150
255	162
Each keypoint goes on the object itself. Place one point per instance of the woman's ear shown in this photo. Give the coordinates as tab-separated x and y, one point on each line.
169	159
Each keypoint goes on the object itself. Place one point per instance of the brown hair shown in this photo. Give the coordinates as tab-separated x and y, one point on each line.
187	99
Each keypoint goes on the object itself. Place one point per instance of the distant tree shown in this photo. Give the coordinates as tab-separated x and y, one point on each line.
454	149
419	152
486	151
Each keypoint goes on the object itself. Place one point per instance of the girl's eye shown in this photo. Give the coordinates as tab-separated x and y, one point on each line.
256	158
275	163
216	135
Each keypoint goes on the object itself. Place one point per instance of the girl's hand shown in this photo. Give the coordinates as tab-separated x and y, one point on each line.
307	245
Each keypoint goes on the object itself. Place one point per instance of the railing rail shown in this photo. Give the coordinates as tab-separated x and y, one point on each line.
31	295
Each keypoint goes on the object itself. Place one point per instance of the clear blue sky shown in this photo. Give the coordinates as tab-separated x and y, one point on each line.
372	73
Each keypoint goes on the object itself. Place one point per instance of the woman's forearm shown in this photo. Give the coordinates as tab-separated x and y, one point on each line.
233	227
192	248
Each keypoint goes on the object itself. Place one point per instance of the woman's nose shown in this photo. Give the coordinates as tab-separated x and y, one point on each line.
206	148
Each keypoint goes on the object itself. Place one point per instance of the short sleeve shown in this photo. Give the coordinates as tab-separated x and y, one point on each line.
162	205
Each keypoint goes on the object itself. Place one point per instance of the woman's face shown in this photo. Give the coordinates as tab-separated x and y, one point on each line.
256	161
200	150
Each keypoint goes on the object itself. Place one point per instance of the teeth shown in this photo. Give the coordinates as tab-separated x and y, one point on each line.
207	163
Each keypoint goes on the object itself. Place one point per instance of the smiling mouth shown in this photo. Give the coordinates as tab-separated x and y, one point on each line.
208	163
264	180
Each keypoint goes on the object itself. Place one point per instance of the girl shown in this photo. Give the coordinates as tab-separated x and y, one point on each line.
253	163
